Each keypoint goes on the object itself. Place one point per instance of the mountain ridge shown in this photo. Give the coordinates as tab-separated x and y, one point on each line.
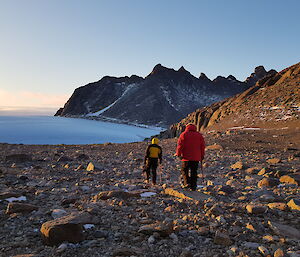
273	101
162	98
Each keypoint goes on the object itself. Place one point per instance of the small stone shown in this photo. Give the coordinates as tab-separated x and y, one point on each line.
291	179
94	167
278	206
269	238
105	195
214	147
264	251
124	251
221	219
237	166
151	240
227	190
250	227
222	239
279	253
273	161
90	167
262	172
294	204
253	209
268	182
62	248
58	213
174	237
251	245
186	253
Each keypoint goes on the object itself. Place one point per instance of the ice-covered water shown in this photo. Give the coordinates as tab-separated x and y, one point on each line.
59	130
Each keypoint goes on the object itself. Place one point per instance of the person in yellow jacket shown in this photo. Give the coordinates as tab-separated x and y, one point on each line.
153	155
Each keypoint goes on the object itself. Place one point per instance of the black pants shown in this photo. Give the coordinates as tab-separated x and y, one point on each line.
151	166
189	174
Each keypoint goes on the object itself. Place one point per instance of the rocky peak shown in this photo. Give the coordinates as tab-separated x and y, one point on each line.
231	77
182	69
159	69
260	70
259	73
203	77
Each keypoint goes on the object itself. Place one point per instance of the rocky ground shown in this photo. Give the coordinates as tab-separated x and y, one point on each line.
94	196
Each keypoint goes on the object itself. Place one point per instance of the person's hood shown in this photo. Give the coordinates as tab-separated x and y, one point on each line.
191	127
155	140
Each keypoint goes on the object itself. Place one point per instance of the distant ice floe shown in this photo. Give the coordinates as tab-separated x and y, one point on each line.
147	194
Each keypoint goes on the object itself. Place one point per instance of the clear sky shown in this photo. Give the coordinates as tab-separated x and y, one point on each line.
48	48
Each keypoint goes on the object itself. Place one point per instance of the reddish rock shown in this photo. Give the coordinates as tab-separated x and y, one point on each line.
291	179
294	204
237	166
268	182
65	229
20	208
278	206
274	161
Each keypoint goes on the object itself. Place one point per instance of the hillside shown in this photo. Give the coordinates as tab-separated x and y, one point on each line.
162	98
273	102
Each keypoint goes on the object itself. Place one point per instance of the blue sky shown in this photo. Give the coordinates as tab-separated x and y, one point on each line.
48	48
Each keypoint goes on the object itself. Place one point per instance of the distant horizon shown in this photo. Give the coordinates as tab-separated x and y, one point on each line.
27	111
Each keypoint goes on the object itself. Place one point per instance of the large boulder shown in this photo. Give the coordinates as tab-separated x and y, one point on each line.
284	230
20	208
65	229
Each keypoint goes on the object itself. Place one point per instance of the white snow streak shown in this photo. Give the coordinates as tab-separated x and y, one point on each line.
106	108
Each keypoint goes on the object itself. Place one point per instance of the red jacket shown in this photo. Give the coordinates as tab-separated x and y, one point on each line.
191	145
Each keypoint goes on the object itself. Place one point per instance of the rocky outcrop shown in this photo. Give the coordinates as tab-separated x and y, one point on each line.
276	97
162	98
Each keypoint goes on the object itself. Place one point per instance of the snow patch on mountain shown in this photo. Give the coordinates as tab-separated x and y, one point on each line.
129	87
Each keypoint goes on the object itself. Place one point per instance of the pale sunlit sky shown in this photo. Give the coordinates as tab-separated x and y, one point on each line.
48	48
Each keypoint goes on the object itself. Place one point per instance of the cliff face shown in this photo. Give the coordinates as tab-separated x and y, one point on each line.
162	98
273	101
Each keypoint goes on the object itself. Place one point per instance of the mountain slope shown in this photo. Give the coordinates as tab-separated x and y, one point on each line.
273	102
163	97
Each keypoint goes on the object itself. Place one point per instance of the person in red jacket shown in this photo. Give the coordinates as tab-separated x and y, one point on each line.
190	149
